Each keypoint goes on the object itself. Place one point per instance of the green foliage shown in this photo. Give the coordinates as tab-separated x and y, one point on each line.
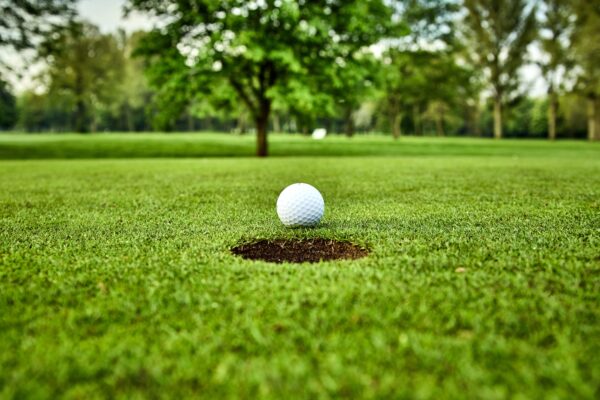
538	121
430	22
556	29
421	72
8	107
573	111
266	51
24	22
527	118
83	63
132	90
43	112
91	81
405	84
227	65
586	44
350	84
116	280
90	68
499	33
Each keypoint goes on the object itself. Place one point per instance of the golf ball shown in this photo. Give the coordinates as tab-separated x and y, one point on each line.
300	204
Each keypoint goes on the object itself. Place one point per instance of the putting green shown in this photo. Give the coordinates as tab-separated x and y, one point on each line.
116	278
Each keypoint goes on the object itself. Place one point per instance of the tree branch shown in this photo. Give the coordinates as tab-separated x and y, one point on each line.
239	88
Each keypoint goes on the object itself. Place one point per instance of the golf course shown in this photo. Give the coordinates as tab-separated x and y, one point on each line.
117	279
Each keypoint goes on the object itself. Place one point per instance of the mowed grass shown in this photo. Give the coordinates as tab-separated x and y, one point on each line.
181	145
483	281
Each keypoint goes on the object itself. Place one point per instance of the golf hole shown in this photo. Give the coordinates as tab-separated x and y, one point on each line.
299	250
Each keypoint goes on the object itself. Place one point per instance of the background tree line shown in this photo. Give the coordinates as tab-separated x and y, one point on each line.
422	67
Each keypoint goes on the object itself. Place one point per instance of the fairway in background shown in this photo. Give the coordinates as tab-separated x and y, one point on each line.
148	145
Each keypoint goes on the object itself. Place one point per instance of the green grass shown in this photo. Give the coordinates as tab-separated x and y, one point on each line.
116	280
179	145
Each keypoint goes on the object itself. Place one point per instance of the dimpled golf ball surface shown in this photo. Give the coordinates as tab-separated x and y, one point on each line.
300	204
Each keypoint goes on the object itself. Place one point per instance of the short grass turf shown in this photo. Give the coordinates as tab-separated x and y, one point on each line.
179	145
116	279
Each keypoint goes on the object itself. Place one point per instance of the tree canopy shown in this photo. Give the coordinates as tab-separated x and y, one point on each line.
24	22
263	50
84	65
413	66
586	51
555	38
500	32
8	107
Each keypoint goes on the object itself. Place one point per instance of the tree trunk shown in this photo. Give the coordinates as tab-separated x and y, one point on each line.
190	122
439	122
329	125
497	119
396	123
476	116
261	139
597	123
262	124
591	116
478	120
439	127
417	120
241	124
552	108
349	128
129	117
349	123
81	117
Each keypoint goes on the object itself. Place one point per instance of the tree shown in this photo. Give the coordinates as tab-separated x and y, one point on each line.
262	49
40	112
420	69
448	86
350	84
405	77
133	90
500	32
586	47
86	64
555	31
23	23
8	107
425	80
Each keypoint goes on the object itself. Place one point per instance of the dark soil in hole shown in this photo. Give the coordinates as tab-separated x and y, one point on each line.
298	251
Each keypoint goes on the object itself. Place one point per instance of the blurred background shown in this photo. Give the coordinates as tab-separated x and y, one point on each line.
513	68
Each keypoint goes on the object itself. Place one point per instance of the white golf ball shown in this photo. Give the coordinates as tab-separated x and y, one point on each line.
300	204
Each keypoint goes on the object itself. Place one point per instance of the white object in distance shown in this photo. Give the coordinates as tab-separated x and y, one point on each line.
300	204
319	133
